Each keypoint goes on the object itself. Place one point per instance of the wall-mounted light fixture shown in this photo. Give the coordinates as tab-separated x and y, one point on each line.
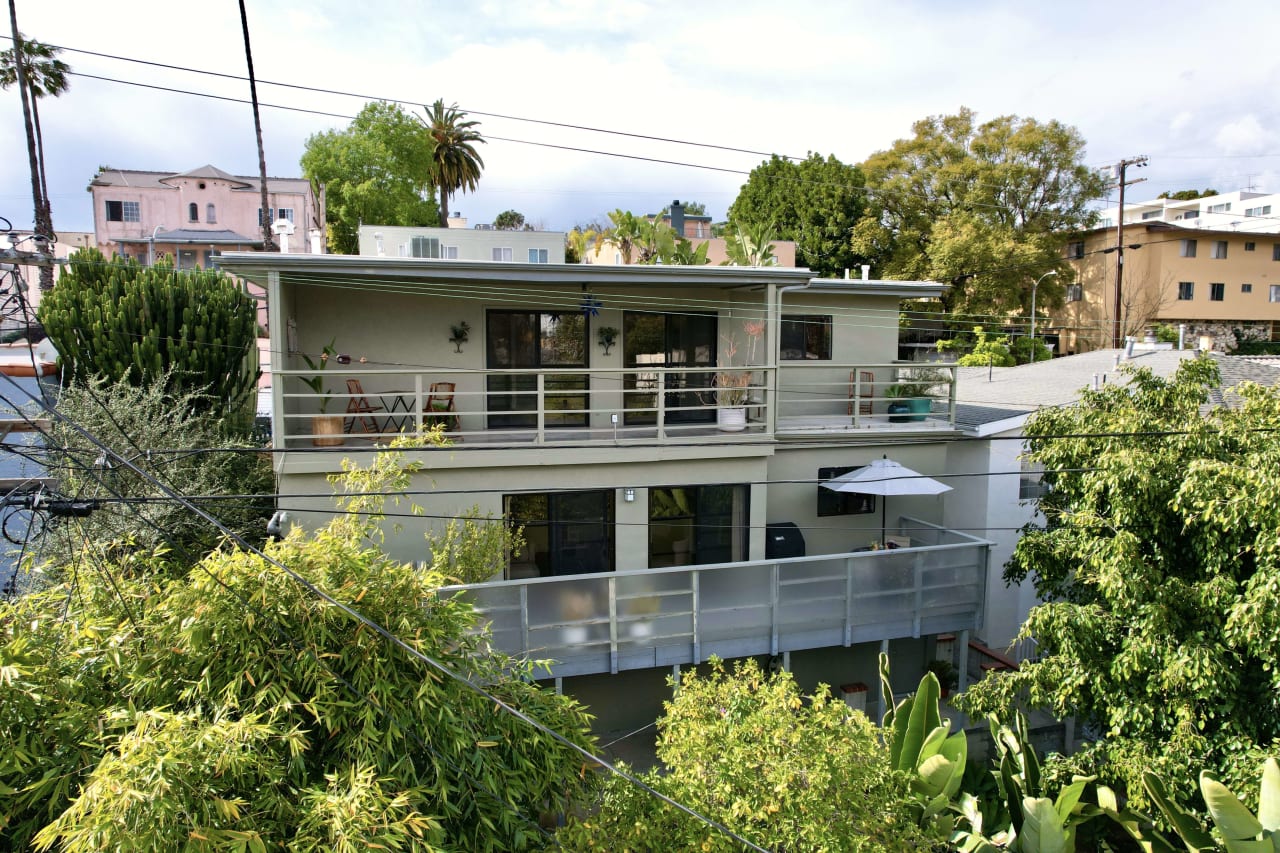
629	495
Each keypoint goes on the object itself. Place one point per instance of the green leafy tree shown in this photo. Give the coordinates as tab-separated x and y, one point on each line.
749	245
783	771
231	708
1158	566
985	207
455	163
195	330
45	76
816	202
509	220
376	171
1187	195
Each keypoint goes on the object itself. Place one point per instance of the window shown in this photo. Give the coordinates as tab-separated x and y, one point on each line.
537	256
565	533
1275	293
1187	248
1249	247
1031	485
696	525
449	253
1246	288
548	340
1186	290
123	211
1224	207
501	254
1265	210
1219	249
284	213
270	218
193	212
1152	214
805	338
1217	291
1106	222
424	247
1275	251
1075	250
210	213
1075	292
841	503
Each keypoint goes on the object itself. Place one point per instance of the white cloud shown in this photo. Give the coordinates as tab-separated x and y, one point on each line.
1243	136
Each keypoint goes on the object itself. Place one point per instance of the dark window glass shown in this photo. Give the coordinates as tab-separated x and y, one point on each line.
1217	291
193	212
658	341
536	340
697	525
565	533
805	338
831	502
115	211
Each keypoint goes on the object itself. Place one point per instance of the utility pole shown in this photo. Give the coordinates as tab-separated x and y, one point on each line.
1117	336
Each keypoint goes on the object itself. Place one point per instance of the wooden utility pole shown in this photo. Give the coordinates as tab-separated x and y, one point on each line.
1117	336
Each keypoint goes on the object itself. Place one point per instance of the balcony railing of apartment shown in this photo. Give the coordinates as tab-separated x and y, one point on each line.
682	615
488	408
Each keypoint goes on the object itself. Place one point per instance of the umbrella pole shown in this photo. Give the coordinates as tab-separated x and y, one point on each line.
884	518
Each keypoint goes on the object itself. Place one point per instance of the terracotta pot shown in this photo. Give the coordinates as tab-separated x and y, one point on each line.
328	430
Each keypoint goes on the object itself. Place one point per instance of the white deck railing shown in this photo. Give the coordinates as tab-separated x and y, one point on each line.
659	617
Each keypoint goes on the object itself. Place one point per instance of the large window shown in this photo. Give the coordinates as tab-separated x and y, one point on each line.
536	340
424	247
565	533
1186	290
537	256
697	525
841	503
805	338
1217	291
652	341
1187	248
123	211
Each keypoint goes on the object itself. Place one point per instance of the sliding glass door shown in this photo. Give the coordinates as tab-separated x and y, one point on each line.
536	340
651	340
565	533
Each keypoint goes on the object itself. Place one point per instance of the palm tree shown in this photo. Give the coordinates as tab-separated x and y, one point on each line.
455	163
40	74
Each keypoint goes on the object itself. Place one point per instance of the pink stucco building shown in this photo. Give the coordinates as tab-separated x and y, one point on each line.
191	215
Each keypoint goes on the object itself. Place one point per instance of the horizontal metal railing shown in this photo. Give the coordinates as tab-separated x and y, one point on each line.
682	615
519	407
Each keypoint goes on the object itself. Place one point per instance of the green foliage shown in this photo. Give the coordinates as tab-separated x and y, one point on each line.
1159	570
200	458
231	708
1187	195
1025	350
1238	830
455	163
815	202
986	351
1166	334
509	220
749	245
316	383
691	208
985	207
192	329
781	770
378	170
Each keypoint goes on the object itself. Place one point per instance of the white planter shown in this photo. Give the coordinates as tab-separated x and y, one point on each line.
731	420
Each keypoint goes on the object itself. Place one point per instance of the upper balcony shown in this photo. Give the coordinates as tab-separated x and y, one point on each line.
492	409
648	618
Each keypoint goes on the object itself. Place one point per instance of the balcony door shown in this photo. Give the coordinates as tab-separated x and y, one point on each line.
697	525
536	340
651	340
565	533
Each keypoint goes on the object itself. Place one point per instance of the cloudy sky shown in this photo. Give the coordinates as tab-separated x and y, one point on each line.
1192	85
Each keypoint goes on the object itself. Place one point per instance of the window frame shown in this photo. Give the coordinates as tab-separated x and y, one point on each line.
1219	250
1217	291
1246	287
211	213
805	325
1187	248
539	256
1274	293
193	212
500	254
1186	291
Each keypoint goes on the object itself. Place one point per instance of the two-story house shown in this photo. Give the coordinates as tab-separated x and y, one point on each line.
190	216
1211	264
661	435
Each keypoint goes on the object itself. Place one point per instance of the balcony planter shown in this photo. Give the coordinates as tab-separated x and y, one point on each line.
327	430
732	419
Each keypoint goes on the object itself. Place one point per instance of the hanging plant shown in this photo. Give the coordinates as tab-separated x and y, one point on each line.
606	336
459	334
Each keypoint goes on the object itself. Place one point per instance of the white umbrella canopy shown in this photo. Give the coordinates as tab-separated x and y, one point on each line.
885	477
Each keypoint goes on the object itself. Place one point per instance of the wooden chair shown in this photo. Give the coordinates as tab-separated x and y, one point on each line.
439	401
862	387
359	407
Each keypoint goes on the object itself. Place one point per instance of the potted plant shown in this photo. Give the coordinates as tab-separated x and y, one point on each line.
606	336
914	391
733	387
946	673
326	428
459	334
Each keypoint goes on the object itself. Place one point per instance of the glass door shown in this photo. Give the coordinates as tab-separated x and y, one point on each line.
668	341
536	340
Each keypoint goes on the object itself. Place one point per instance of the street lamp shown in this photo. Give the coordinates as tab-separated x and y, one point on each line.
1033	311
151	247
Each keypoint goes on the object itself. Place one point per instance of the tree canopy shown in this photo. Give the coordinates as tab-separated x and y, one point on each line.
815	202
232	708
985	207
1187	195
1160	567
377	171
510	220
455	163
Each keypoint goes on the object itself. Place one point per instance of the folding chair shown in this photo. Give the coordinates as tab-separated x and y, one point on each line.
359	406
862	387
439	401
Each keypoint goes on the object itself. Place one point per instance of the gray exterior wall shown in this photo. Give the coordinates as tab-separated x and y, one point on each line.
474	244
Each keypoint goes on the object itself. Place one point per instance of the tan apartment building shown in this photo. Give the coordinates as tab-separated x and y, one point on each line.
1212	264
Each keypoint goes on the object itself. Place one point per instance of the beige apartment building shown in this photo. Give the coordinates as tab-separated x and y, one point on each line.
1211	264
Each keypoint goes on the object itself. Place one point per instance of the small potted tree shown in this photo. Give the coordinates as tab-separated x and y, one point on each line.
326	429
946	673
914	391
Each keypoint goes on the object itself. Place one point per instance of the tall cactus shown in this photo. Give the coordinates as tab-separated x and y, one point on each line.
120	320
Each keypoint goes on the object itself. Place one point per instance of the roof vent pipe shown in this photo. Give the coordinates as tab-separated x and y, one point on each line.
866	272
846	274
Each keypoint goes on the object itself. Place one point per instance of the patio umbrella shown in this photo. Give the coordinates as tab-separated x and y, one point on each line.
884	477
